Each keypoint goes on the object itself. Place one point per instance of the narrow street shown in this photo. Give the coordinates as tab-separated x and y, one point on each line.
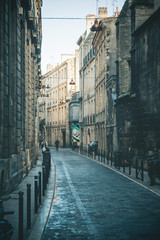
94	202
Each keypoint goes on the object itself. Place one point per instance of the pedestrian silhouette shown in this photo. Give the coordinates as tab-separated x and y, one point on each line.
57	144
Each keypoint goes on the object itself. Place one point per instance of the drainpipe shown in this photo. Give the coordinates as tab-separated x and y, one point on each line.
34	114
10	108
58	106
83	107
9	66
95	99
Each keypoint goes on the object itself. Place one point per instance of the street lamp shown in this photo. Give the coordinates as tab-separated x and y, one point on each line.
96	27
72	82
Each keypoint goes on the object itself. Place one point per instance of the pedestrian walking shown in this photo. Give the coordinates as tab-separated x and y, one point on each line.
57	144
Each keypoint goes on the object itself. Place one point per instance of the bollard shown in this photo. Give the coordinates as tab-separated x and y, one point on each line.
104	157
107	159
142	170
39	174
43	176
111	161
107	156
119	165
28	206
47	173
112	156
129	167
35	194
49	162
124	166
20	237
46	176
136	168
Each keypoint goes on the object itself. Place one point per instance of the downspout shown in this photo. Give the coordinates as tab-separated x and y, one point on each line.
58	106
95	137
34	114
83	107
67	106
9	66
10	108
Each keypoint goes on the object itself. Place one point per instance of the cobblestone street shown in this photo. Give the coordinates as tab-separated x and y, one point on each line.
94	202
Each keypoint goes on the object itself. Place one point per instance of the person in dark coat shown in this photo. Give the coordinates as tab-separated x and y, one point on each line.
57	144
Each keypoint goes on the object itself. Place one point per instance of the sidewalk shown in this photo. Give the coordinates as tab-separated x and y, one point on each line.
38	220
145	183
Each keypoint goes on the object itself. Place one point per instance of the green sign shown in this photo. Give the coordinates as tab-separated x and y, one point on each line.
75	132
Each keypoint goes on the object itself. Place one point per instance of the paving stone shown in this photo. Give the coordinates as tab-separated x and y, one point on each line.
94	202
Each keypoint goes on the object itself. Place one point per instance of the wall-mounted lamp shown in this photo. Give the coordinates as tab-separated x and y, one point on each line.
72	82
96	27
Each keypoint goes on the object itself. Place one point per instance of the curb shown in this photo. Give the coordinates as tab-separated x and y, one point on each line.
43	215
154	189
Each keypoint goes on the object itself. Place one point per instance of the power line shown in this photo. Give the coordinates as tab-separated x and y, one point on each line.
66	18
78	18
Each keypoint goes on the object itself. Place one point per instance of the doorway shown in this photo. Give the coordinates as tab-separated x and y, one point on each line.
64	137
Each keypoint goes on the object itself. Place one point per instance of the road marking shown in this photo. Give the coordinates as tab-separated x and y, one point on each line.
86	217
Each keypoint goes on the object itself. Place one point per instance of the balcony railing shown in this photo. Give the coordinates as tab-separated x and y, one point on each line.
90	54
89	119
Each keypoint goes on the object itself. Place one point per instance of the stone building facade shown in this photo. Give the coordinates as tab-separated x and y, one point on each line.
104	43
63	82
125	97
20	47
87	84
126	83
137	102
41	107
98	83
146	76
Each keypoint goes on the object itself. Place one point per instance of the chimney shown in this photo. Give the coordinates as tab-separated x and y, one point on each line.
89	22
117	12
102	12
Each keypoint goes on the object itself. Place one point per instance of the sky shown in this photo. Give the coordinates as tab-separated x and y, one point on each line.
60	36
